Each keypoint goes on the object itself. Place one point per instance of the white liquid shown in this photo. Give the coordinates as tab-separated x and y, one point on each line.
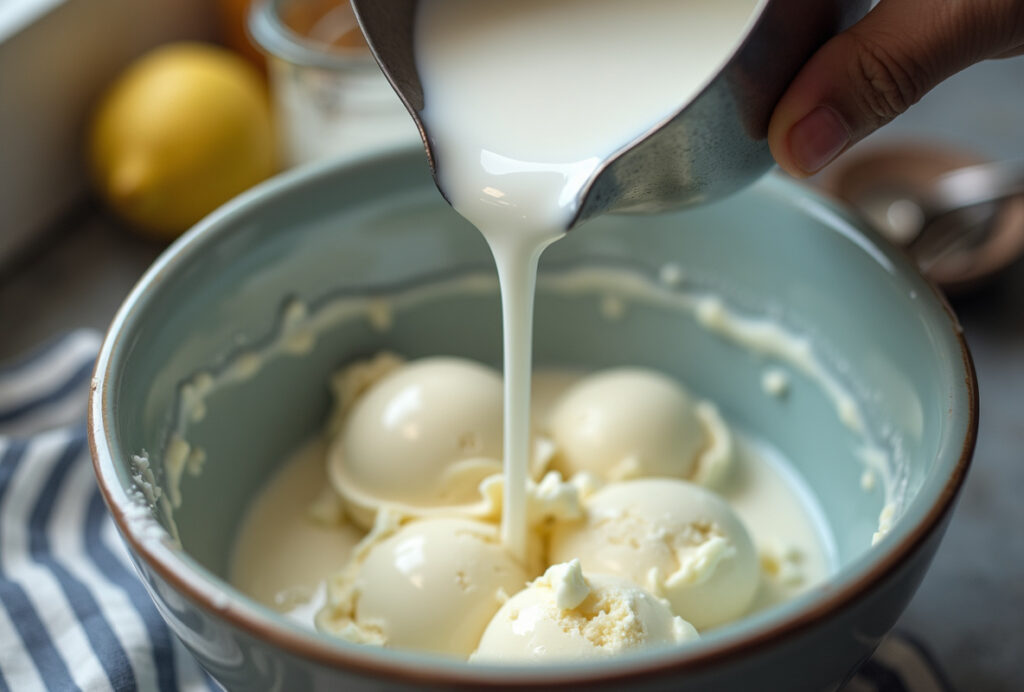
524	99
282	557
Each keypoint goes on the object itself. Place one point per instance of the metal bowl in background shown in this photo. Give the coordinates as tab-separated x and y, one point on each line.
960	237
712	146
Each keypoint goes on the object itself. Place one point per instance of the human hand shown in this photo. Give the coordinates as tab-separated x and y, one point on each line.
869	74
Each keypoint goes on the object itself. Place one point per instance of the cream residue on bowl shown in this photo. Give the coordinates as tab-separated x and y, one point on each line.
614	288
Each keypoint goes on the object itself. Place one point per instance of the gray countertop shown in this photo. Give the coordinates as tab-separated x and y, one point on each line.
970	609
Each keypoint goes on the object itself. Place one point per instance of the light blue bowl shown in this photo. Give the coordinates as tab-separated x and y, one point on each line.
368	224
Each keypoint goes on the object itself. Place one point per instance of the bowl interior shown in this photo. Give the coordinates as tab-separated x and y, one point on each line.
379	224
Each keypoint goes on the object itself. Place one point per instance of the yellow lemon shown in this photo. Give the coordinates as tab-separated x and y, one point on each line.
184	129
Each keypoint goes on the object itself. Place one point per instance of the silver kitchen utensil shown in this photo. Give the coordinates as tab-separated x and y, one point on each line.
961	218
713	145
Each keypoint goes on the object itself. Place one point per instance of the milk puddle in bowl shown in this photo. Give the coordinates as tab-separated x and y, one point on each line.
633	515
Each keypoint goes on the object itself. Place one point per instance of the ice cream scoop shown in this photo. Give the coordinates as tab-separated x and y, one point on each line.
430	585
635	422
423	437
565	615
676	539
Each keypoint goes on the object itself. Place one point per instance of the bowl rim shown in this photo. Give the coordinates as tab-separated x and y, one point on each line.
249	618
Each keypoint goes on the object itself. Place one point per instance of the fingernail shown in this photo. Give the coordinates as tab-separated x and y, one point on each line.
817	139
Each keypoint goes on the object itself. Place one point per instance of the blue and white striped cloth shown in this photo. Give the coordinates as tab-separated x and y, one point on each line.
74	614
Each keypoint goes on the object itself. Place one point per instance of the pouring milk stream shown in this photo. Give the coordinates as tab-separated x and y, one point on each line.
524	99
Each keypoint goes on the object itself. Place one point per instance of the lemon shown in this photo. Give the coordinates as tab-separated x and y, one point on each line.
184	129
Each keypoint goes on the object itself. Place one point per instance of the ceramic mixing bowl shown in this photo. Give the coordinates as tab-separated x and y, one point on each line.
373	224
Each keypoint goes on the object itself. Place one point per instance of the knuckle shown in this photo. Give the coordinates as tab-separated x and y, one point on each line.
1016	26
889	83
998	26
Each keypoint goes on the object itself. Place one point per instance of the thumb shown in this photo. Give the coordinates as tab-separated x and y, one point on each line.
869	74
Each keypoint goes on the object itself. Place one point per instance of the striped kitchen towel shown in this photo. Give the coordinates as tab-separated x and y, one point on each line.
74	614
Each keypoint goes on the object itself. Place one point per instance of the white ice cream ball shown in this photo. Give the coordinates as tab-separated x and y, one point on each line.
432	585
627	423
424	436
676	539
565	616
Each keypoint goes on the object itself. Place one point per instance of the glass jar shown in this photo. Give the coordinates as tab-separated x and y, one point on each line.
329	95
